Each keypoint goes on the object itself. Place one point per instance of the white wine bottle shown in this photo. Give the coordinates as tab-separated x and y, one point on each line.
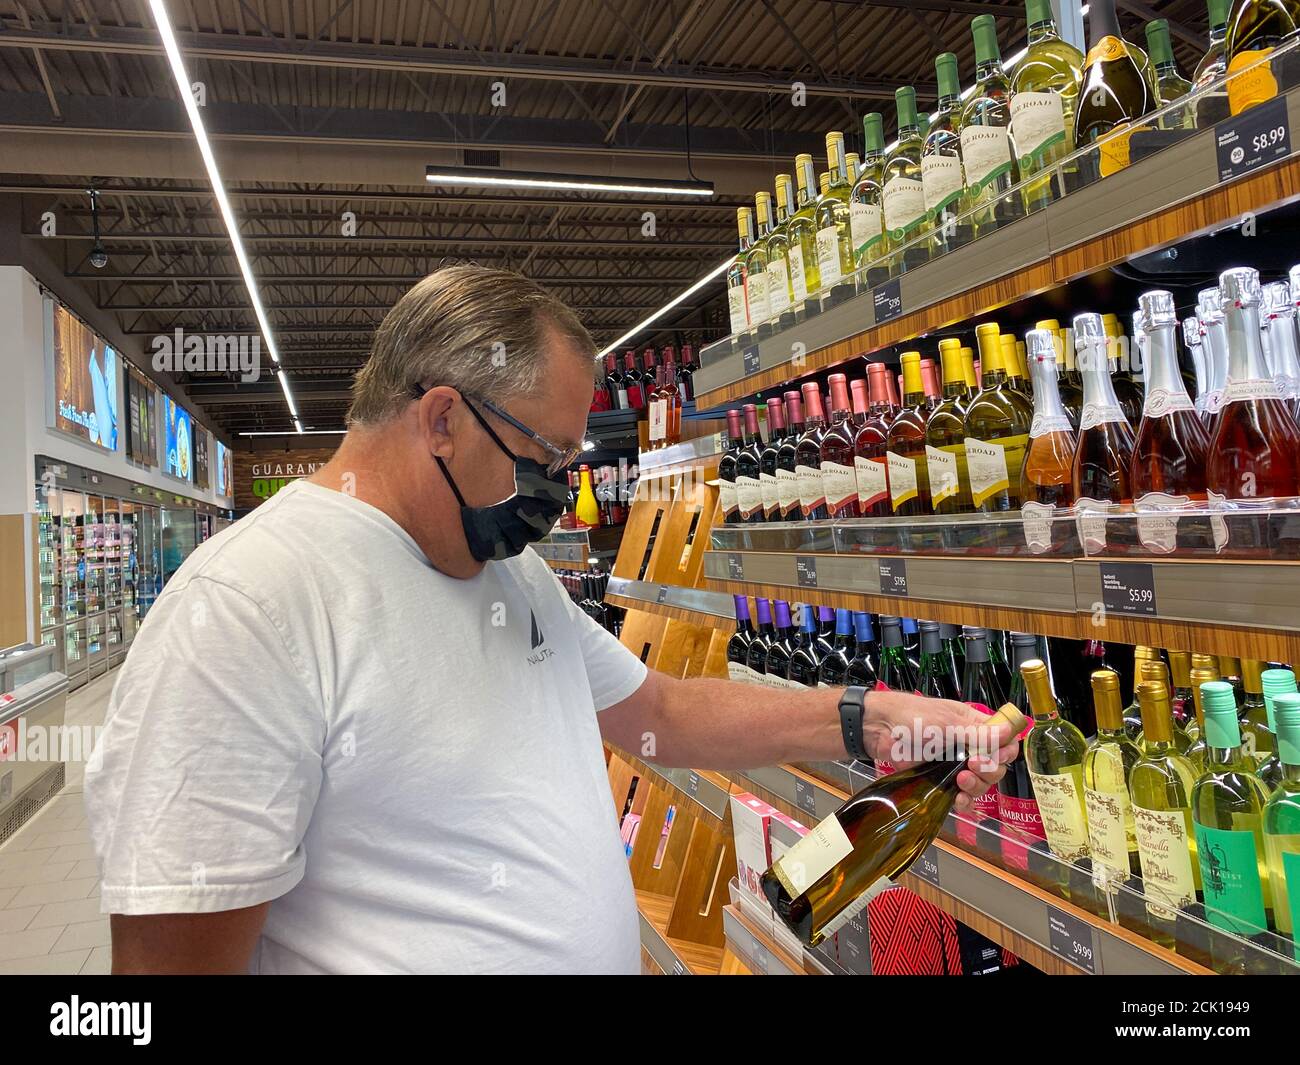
877	833
1170	83
1107	765
1228	813
904	195
1212	104
831	218
1054	753
1282	820
804	275
866	204
1044	93
1255	29
737	303
991	168
942	176
1113	96
1160	785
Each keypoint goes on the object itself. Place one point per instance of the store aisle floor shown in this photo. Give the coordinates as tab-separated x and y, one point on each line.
49	881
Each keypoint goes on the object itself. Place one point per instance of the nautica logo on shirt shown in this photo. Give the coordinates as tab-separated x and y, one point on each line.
540	654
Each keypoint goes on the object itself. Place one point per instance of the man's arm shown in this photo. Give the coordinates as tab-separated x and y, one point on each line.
720	724
171	944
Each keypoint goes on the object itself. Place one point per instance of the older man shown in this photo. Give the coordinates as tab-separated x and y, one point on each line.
361	729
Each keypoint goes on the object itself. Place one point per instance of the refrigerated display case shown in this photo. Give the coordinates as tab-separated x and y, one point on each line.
49	588
148	558
72	566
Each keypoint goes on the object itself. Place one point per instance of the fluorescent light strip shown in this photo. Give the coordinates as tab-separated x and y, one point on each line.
301	432
720	268
218	188
579	184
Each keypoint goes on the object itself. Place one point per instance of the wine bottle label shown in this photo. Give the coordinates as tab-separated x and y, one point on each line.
798	280
787	490
1214	401
1287	386
811	493
1113	149
1234	895
902	479
1250	87
1110	815
1043	424
1107	50
1095	414
942	181
1252	388
1284	855
873	483
813	857
904	206
749	497
839	484
986	154
727	496
1061	806
1092	514
1157	521
1037	521
771	496
1218	524
865	221
741	673
622	399
658	410
942	466
1021	816
778	287
1037	126
736	307
756	294
828	256
1166	856
989	465
1162	401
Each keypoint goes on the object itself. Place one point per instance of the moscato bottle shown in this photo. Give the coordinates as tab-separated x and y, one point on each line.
1054	752
877	833
1107	765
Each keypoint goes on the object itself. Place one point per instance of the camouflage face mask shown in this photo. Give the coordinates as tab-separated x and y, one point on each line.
502	530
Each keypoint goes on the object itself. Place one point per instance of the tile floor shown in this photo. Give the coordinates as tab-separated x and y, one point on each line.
49	881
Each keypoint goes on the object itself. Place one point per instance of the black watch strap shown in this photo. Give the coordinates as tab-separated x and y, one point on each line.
852	711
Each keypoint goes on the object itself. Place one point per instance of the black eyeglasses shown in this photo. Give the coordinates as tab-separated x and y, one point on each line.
561	458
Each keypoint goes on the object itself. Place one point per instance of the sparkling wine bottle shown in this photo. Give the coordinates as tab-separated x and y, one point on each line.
1209	312
877	833
871	446
1194	339
1114	93
1105	450
1047	475
1017	808
1255	450
1279	312
935	678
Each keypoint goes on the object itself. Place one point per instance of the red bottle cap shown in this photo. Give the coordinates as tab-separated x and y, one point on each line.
812	401
751	419
733	425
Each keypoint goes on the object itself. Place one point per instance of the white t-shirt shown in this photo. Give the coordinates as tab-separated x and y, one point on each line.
410	765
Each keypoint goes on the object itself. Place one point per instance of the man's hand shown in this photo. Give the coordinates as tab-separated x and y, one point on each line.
896	723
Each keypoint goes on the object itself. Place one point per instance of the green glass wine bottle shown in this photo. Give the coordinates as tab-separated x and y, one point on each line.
945	436
866	205
1282	821
1107	766
1227	811
1170	83
904	192
1044	92
991	168
942	177
1054	753
1113	96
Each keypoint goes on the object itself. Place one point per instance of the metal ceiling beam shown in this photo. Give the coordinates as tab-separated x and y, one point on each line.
381	280
406	60
272	308
109	236
1013	10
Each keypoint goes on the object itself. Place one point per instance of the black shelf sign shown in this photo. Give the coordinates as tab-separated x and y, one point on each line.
750	359
1129	587
1071	938
806	569
1253	139
693	784
926	865
893	577
735	566
887	301
805	796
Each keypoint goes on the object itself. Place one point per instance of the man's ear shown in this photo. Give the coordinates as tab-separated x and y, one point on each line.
436	414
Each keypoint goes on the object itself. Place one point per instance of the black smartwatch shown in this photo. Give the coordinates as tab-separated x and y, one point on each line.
853	705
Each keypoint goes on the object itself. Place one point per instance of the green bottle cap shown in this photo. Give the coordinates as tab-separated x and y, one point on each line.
1287	715
905	98
985	31
923	124
1037	11
1158	42
1218	10
1221	728
945	69
1275	682
873	131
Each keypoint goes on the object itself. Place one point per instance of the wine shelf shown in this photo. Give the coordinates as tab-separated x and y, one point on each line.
687	453
1010	911
1231	607
1160	200
706	789
715	609
762	955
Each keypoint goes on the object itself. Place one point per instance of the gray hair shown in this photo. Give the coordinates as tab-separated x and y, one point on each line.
482	331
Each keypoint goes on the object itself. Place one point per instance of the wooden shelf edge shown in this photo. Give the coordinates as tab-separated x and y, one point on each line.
675	613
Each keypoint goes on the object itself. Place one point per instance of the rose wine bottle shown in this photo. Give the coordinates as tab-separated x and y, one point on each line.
1194	339
1255	451
1279	311
1169	453
1209	312
787	460
1105	450
839	476
909	486
767	460
871	445
808	456
861	404
1047	477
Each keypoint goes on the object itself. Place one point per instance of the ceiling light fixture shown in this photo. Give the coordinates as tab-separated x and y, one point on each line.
183	86
656	315
301	432
463	176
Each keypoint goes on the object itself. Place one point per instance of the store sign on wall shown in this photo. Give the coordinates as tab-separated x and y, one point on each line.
260	474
